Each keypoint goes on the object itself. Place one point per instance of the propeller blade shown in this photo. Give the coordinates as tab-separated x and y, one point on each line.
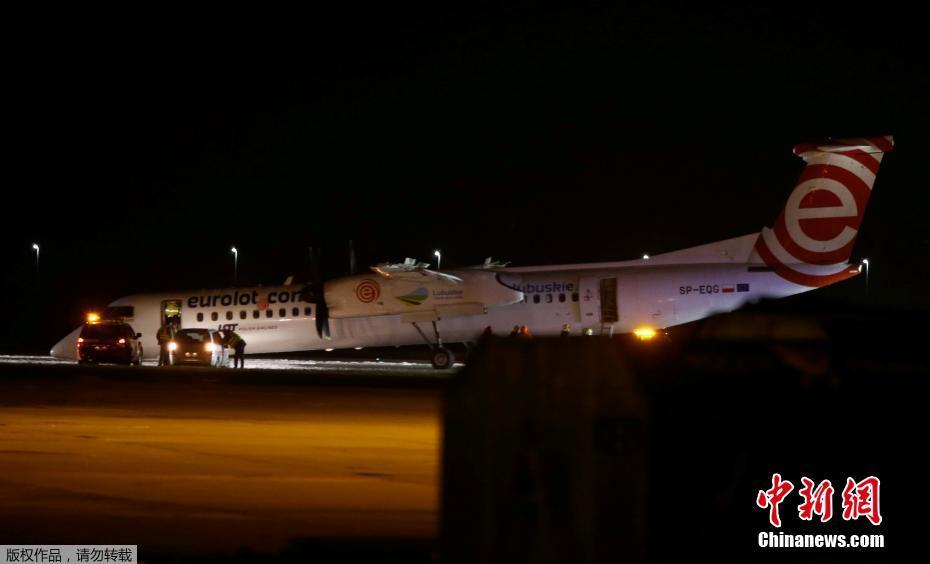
313	293
322	320
351	258
315	267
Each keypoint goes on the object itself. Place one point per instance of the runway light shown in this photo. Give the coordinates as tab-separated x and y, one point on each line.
172	346
93	318
645	333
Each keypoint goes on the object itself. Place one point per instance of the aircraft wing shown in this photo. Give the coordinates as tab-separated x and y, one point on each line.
412	270
488	264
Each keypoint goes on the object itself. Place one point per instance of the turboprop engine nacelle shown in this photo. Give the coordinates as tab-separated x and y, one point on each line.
417	295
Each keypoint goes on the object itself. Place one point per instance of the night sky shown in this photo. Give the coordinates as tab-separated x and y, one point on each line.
139	148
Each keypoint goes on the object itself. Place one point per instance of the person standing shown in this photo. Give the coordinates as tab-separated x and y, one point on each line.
164	337
237	343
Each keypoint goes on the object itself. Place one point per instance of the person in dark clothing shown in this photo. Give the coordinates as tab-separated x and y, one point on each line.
163	336
237	343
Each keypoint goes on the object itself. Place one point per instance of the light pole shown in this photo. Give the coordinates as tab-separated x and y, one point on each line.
438	260
865	262
235	253
35	247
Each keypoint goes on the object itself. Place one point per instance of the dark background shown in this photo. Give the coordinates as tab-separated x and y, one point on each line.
141	146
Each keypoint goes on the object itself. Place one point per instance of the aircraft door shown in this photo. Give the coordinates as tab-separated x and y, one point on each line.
598	304
171	312
609	310
590	302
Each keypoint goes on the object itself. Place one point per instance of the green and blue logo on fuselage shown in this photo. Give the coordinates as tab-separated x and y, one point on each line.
415	297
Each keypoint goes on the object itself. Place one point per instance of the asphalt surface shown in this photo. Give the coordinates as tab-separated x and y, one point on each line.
210	461
338	363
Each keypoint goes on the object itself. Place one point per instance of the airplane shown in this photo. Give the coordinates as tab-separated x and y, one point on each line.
808	247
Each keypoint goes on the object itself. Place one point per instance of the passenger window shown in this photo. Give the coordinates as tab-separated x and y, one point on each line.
548	298
269	312
561	298
282	312
242	314
200	316
308	312
295	312
255	314
228	316
535	298
574	296
214	316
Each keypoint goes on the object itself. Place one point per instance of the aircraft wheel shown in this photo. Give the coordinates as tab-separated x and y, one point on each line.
442	358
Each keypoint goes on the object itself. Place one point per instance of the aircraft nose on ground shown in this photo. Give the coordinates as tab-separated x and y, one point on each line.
67	347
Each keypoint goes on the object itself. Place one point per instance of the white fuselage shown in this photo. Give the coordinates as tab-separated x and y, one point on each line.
808	246
605	299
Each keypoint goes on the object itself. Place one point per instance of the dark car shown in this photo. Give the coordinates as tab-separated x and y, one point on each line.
109	341
199	347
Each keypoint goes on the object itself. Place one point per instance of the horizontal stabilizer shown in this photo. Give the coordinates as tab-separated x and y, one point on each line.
735	250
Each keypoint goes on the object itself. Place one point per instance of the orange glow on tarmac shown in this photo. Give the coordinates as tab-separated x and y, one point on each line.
216	471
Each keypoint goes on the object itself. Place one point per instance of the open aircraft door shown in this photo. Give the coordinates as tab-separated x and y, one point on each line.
171	310
598	304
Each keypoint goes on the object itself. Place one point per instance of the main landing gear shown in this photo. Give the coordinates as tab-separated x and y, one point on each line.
442	357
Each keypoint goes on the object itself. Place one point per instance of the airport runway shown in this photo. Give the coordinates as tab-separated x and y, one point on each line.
209	461
328	366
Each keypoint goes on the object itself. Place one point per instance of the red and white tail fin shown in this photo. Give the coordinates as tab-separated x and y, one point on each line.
813	237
